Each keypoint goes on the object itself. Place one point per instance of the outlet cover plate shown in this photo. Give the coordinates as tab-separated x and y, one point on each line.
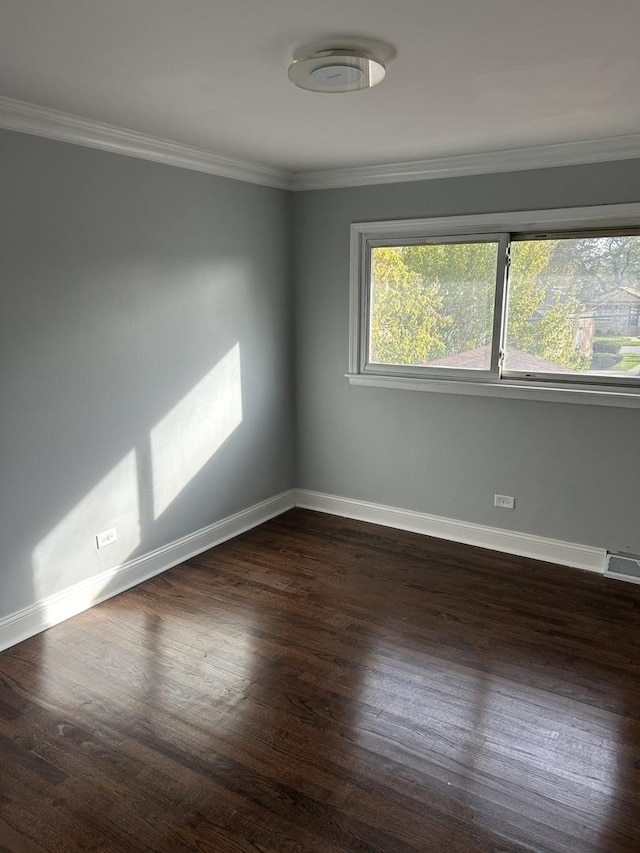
107	537
504	501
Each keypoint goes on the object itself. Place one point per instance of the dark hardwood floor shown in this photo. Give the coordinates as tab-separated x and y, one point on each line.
325	685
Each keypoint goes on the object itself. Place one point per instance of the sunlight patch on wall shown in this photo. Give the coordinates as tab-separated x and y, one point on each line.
67	554
189	435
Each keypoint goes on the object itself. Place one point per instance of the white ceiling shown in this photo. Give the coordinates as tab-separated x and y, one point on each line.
468	76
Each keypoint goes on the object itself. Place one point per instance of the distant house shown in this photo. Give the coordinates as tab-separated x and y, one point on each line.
618	312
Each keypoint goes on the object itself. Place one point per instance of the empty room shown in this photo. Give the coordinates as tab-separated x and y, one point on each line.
319	390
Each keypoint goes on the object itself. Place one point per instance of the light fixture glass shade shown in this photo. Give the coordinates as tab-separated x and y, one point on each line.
336	71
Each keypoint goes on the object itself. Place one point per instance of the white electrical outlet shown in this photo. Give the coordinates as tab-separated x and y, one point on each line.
504	501
106	537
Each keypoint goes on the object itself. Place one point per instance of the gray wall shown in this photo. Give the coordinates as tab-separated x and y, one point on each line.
573	469
144	309
147	378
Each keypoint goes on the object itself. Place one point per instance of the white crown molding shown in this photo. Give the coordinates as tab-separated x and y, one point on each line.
510	160
81	596
506	541
64	127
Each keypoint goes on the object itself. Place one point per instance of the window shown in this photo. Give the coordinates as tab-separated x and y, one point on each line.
573	308
433	303
521	306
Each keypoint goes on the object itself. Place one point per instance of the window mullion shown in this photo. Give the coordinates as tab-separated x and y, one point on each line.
500	305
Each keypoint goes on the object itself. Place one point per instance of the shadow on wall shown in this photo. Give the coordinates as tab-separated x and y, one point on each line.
176	450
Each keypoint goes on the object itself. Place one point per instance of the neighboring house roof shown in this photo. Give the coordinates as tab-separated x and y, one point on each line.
618	295
516	360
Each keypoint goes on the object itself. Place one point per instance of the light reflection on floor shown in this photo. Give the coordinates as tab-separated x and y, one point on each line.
486	726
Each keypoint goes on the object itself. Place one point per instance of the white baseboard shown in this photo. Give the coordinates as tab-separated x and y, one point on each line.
81	596
508	541
56	608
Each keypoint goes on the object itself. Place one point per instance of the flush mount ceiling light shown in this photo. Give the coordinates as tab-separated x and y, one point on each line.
337	70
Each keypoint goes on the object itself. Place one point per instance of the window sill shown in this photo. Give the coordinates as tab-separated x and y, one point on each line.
505	388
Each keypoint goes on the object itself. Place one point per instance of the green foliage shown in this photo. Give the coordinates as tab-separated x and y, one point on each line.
555	336
596	265
605	346
628	362
526	295
604	361
406	320
620	340
464	275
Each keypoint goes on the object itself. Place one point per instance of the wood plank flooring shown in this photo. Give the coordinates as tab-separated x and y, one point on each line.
325	685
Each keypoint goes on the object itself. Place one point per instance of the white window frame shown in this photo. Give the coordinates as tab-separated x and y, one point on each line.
365	235
453	373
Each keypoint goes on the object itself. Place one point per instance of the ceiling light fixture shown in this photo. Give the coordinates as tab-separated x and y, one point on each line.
336	70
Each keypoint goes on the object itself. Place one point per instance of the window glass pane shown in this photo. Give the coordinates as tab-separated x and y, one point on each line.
574	306
432	305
